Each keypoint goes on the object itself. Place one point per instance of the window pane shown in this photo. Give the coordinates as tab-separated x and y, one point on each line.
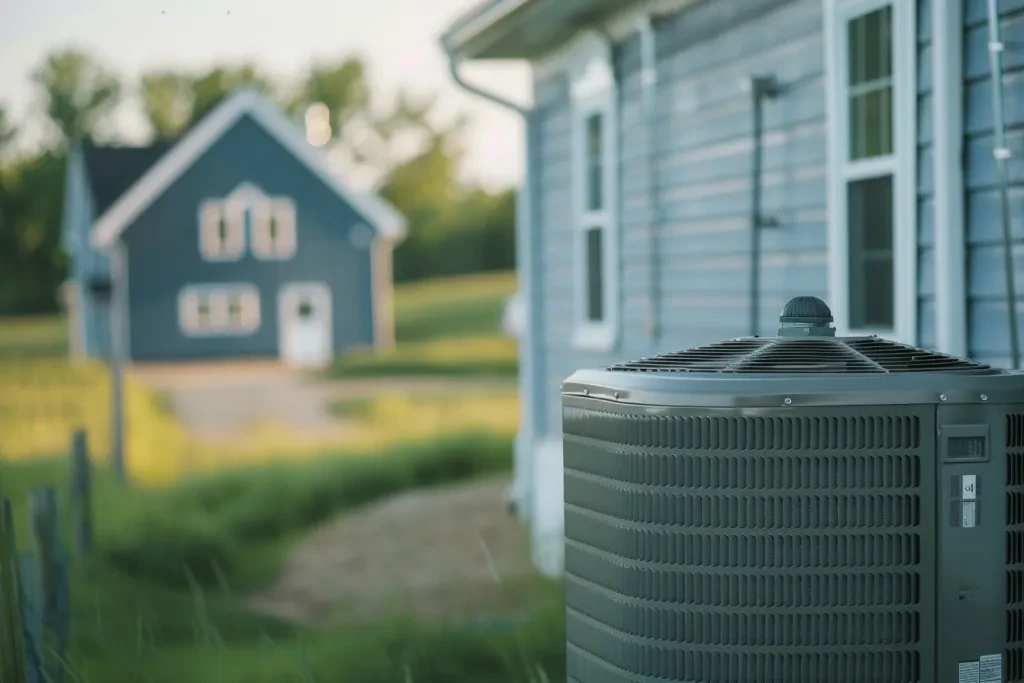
870	45
594	159
871	124
235	312
872	268
203	313
870	84
595	275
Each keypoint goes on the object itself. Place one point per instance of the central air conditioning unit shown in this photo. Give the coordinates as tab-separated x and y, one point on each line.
797	509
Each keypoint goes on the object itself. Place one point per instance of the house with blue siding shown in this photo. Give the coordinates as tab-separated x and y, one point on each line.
235	241
694	164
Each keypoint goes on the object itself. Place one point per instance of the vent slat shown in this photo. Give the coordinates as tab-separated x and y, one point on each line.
1014	653
858	355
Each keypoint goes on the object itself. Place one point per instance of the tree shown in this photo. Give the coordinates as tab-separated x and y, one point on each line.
8	131
167	101
341	87
32	264
78	93
210	88
173	101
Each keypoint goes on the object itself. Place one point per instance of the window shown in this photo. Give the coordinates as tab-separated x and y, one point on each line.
595	224
247	214
273	228
221	231
873	56
218	310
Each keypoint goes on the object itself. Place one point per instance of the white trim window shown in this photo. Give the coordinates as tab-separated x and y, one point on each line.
273	228
595	209
221	231
872	54
219	310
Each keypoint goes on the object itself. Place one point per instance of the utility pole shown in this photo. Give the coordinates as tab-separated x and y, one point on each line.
118	331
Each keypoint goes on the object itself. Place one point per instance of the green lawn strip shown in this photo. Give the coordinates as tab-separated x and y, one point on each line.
159	599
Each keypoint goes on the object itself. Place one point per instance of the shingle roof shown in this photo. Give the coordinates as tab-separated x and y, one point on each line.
112	170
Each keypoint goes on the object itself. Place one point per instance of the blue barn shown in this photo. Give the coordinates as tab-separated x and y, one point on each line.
654	215
235	241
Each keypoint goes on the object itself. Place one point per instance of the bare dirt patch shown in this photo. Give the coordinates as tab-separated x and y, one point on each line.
451	553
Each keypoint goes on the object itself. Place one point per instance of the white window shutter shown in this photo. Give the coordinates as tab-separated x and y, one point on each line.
286	241
210	216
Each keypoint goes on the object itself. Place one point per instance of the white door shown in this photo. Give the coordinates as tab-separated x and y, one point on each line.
304	324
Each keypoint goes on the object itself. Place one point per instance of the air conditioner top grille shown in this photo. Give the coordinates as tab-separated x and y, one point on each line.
807	344
855	355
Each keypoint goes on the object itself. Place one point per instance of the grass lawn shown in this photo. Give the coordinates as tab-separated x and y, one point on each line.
33	337
448	326
159	601
445	326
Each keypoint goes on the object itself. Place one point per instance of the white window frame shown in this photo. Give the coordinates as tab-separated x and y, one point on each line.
594	91
282	211
211	247
901	164
219	298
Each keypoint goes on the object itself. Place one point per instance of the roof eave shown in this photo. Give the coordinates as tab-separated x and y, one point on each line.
514	29
471	36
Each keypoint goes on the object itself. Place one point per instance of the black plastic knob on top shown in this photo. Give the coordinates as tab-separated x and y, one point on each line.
806	316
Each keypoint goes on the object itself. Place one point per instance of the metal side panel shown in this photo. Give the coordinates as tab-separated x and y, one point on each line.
980	582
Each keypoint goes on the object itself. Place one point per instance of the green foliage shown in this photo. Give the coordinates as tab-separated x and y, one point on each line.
479	357
32	264
196	530
444	326
140	625
167	102
78	92
43	336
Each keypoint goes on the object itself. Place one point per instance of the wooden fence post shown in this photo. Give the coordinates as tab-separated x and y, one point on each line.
13	652
48	627
46	542
81	495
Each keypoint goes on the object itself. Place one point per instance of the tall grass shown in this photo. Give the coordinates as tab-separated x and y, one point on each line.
198	530
33	337
160	601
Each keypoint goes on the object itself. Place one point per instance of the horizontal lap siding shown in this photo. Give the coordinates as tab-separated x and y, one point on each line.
925	182
705	164
987	302
554	244
704	159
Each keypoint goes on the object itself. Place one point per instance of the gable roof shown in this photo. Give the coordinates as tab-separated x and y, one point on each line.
112	170
388	222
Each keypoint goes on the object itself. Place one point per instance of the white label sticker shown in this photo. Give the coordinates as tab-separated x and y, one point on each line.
968	518
991	669
970	672
969	487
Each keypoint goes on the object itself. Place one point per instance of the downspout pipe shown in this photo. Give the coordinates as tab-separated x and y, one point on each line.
453	68
1002	153
531	416
762	88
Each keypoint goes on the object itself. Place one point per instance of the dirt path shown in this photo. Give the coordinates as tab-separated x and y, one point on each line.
449	553
222	400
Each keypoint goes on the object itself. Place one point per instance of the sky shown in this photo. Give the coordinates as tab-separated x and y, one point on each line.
397	38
